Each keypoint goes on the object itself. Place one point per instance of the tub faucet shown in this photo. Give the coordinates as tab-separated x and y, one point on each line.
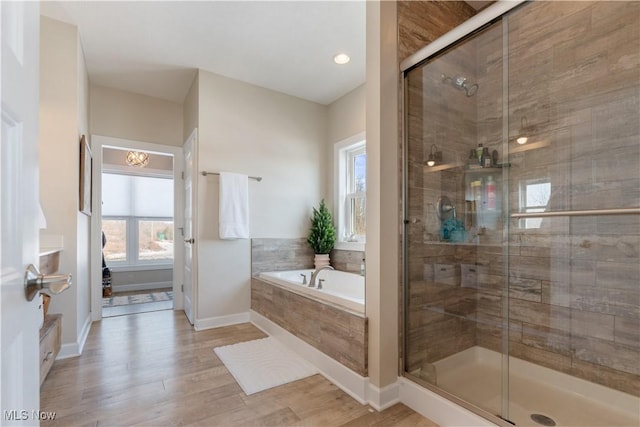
312	282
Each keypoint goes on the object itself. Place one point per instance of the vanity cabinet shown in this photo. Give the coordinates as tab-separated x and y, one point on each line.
51	330
50	341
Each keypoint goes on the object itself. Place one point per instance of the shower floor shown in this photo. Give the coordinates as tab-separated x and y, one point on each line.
475	376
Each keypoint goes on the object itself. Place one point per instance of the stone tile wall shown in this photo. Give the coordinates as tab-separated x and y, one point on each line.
574	295
280	255
349	261
296	254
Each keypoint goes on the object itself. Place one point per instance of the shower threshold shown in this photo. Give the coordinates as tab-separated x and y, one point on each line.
474	375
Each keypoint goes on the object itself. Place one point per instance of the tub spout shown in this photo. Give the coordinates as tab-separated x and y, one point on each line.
312	282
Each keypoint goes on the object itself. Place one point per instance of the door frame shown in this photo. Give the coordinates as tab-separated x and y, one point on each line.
97	142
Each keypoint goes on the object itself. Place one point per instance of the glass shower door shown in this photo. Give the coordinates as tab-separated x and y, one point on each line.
574	190
522	225
455	243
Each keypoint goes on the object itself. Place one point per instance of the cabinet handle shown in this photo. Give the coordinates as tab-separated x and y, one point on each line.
48	356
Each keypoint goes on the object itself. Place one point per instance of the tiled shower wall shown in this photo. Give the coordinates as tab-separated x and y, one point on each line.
420	23
574	295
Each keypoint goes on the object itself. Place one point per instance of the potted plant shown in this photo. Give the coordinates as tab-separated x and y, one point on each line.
322	235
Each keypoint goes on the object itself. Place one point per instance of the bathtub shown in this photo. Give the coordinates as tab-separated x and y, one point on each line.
339	287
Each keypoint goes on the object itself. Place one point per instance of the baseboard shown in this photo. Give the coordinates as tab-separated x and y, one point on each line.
219	321
385	397
350	382
143	287
435	407
75	349
84	333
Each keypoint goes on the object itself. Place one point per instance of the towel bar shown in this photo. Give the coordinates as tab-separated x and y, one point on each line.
204	173
587	212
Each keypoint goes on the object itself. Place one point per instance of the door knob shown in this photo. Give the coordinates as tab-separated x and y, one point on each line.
191	241
34	282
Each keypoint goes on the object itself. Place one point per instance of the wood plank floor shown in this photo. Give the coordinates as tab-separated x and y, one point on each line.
153	369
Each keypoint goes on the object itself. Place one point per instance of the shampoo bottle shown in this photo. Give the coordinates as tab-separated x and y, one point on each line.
491	194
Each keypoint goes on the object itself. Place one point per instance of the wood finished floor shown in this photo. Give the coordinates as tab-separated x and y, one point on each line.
153	369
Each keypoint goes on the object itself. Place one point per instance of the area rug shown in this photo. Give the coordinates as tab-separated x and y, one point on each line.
262	364
118	300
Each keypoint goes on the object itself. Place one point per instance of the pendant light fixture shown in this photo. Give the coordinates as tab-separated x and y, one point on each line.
137	158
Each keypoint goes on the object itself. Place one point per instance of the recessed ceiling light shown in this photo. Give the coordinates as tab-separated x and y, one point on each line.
341	58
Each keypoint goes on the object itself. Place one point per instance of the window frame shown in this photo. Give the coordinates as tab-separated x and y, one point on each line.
132	228
528	223
345	152
132	260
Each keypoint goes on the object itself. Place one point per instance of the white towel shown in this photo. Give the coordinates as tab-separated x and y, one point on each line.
234	206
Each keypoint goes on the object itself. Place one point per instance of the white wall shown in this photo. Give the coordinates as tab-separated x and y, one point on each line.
63	118
127	115
248	129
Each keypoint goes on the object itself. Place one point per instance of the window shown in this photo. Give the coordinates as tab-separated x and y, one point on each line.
534	197
137	219
351	184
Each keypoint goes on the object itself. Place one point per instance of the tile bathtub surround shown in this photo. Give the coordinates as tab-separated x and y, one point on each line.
296	254
337	333
574	299
349	261
280	255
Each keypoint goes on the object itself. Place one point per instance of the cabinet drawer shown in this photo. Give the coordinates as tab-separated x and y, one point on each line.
50	338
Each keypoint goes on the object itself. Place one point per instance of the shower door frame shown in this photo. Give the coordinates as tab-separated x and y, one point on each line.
464	31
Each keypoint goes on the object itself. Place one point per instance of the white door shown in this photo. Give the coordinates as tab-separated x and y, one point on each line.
20	373
190	255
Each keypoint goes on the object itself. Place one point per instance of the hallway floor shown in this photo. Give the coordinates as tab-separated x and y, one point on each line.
153	369
124	309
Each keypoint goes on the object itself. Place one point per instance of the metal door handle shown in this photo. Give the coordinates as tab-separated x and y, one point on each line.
191	241
34	282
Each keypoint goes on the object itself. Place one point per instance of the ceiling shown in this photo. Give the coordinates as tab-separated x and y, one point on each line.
154	47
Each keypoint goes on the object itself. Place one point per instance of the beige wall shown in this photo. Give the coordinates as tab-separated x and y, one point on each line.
83	277
248	129
63	117
190	109
382	192
346	117
127	115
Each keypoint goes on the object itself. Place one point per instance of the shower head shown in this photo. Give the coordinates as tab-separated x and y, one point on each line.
460	83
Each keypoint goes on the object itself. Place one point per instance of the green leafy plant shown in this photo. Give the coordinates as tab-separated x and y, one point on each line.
322	235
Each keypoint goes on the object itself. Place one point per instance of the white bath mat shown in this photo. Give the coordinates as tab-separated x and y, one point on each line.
262	364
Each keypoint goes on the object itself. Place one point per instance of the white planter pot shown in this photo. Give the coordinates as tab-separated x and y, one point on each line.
321	260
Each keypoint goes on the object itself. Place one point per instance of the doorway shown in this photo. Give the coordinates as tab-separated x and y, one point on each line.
137	222
137	231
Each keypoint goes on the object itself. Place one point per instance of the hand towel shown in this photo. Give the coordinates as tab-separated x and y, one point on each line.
234	206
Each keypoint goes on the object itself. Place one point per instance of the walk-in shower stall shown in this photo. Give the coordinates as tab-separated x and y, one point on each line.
521	210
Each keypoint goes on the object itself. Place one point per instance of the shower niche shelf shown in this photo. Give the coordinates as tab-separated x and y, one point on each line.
483	198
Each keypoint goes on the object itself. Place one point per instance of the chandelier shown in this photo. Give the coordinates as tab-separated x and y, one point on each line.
137	158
